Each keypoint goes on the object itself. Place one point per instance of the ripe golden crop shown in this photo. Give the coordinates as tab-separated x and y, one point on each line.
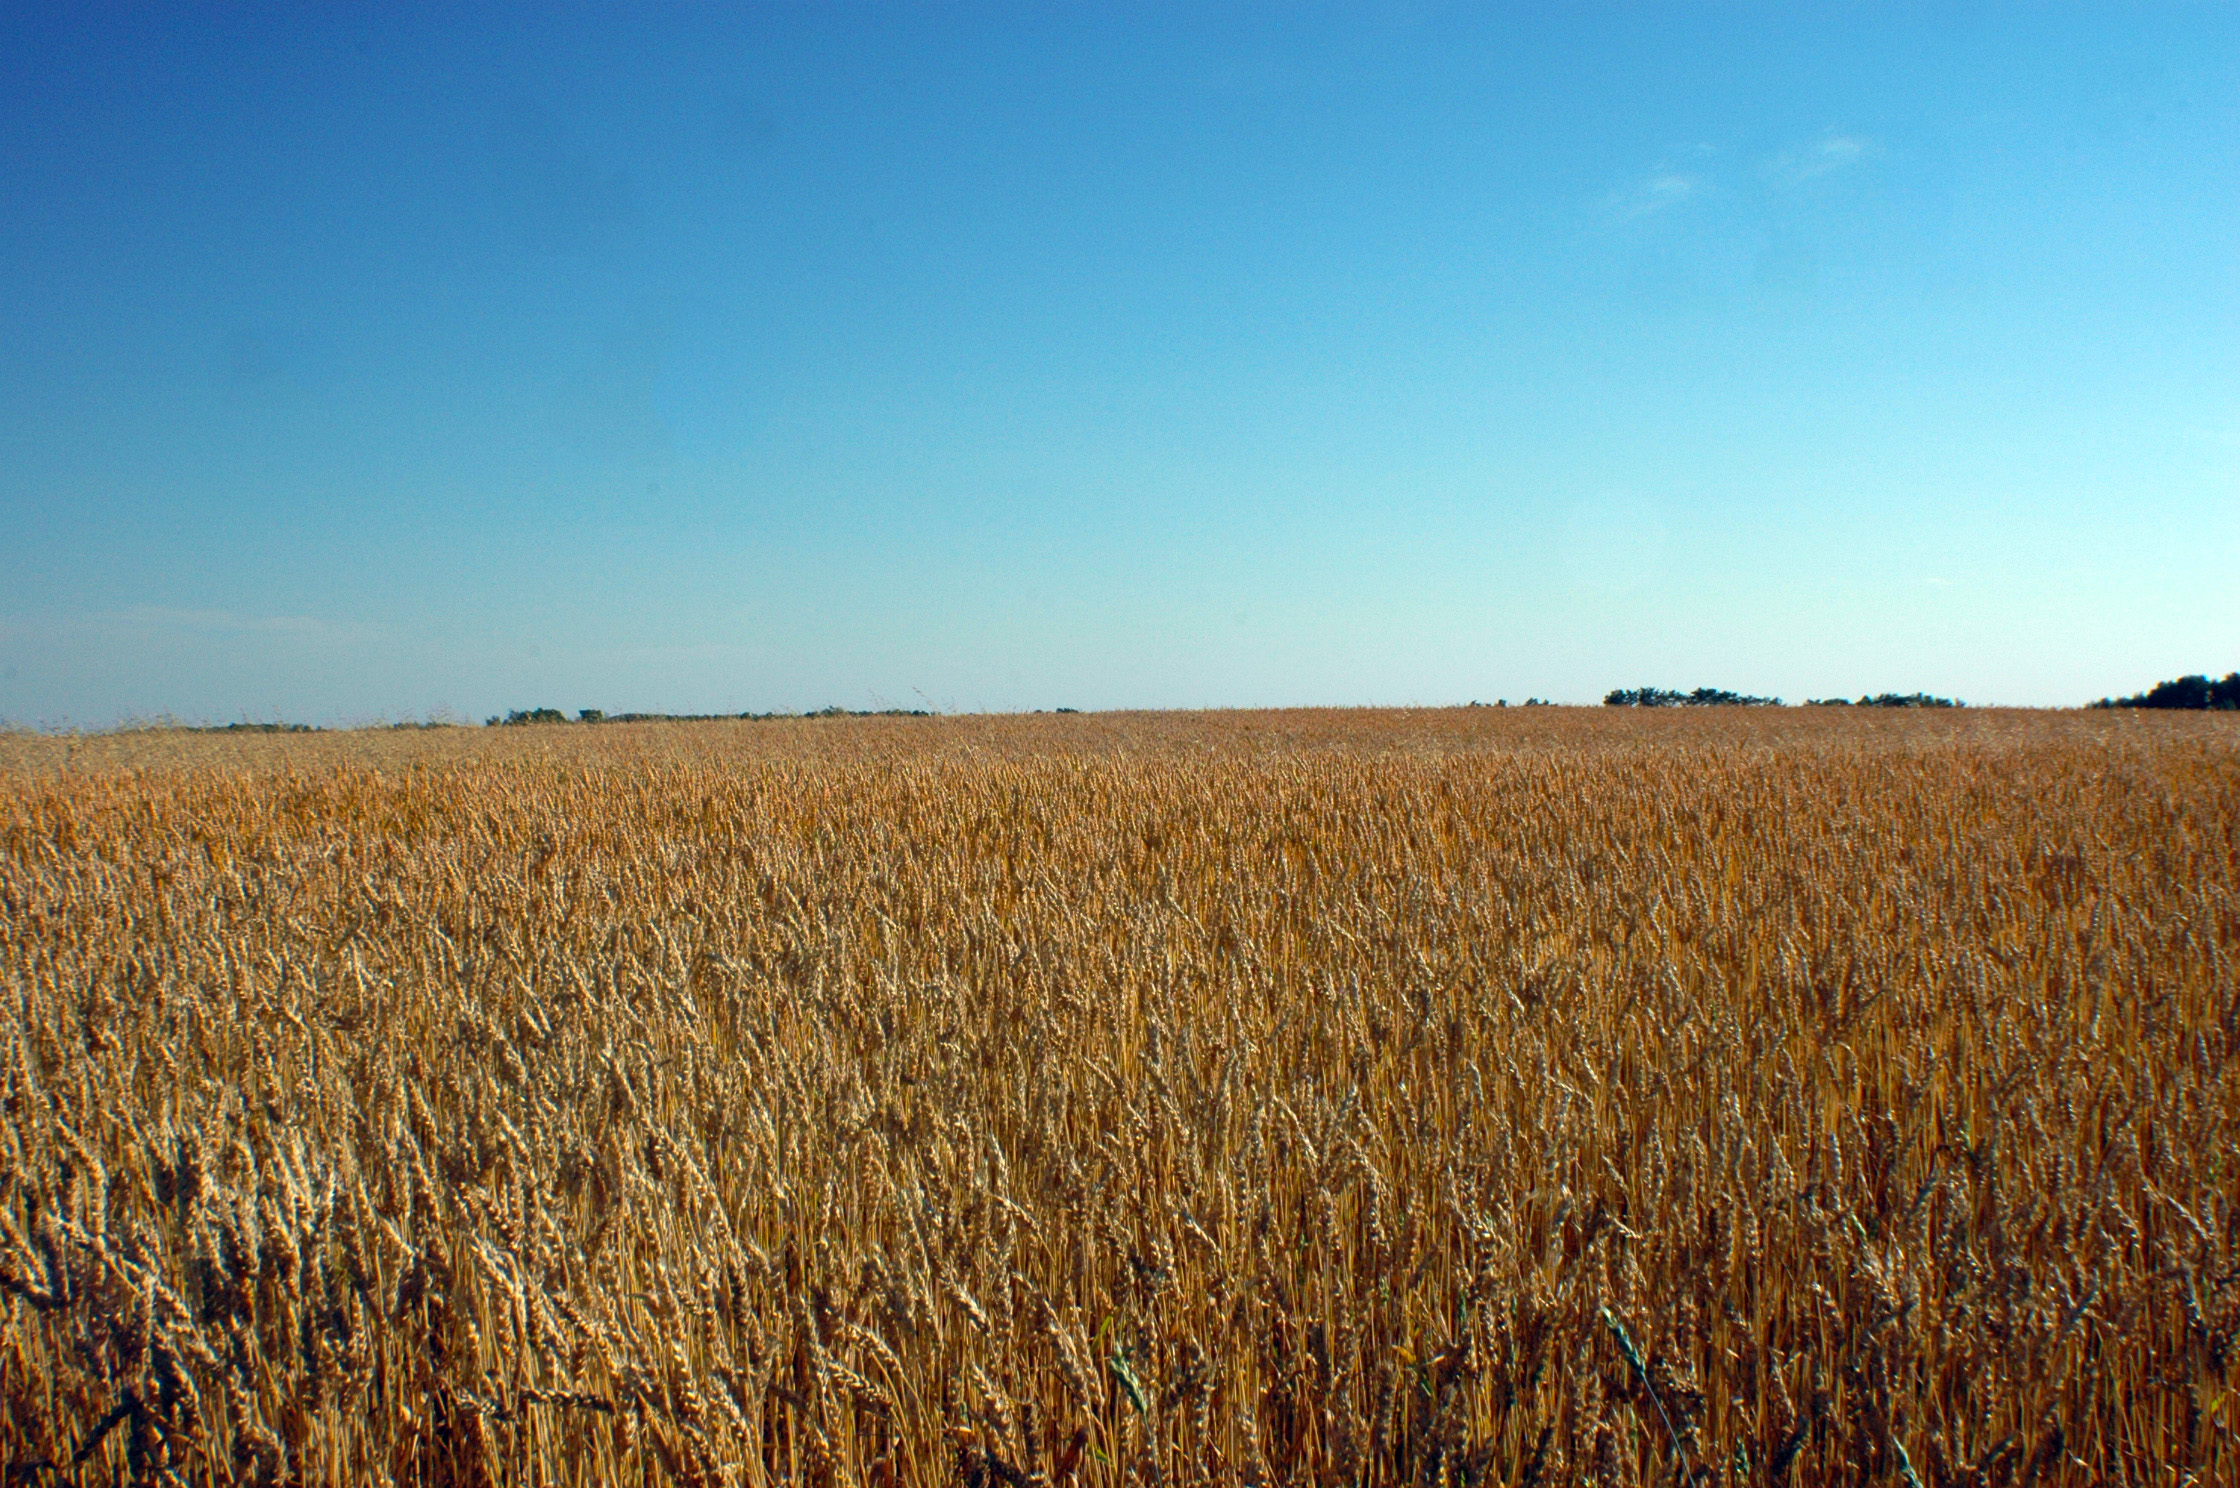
1447	1097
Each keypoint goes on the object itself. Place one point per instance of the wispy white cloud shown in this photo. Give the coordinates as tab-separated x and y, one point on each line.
2224	436
1682	176
1661	192
1830	153
161	661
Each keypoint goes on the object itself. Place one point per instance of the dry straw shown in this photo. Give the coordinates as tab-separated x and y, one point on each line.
1439	1098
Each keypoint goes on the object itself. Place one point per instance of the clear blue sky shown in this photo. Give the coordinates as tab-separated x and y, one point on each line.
1110	356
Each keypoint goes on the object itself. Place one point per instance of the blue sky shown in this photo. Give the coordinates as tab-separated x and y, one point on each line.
464	359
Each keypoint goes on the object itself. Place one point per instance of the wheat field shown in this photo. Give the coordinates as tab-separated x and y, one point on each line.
1442	1097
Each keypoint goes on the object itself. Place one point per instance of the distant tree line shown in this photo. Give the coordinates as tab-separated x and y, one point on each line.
2197	692
173	726
1702	697
2186	692
1887	700
1720	697
600	715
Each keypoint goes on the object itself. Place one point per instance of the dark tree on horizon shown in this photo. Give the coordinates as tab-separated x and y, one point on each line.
2193	691
1702	697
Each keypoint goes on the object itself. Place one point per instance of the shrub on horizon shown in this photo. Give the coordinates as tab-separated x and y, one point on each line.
1702	697
2192	691
1908	700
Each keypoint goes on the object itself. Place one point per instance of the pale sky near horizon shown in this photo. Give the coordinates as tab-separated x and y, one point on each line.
682	359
